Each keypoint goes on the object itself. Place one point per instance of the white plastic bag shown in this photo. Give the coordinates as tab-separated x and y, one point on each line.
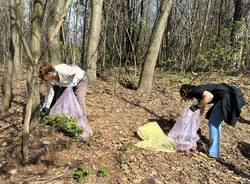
68	104
184	133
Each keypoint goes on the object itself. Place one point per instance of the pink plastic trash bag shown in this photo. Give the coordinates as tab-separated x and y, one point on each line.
184	133
67	103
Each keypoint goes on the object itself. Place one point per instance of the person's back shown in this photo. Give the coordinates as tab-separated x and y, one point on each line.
227	101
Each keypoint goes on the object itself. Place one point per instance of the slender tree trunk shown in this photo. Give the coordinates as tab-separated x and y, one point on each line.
138	39
85	23
56	10
94	37
74	59
167	39
128	32
17	58
221	20
204	28
203	32
238	33
8	62
147	74
238	16
106	26
35	48
28	115
34	75
32	106
54	46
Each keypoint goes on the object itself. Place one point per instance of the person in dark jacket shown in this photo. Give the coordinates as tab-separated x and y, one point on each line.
227	103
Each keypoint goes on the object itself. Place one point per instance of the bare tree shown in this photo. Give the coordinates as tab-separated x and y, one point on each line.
34	52
16	13
85	24
147	74
8	59
56	10
237	33
94	37
34	56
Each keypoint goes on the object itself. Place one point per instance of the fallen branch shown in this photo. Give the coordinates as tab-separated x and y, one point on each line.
59	177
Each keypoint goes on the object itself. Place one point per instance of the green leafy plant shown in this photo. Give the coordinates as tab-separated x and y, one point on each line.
102	172
81	173
123	148
64	123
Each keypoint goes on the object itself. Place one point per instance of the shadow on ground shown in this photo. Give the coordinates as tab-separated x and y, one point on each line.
244	149
165	122
236	169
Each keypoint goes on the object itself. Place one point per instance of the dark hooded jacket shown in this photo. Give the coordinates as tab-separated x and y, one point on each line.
230	99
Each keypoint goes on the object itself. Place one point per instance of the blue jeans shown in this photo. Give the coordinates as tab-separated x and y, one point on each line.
214	124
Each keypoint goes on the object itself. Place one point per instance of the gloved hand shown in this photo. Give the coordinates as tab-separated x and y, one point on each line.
44	110
72	84
194	107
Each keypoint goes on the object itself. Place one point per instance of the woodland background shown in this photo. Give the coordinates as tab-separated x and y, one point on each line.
144	49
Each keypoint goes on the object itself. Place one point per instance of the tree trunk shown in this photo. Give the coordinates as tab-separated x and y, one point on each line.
35	48
28	115
138	39
8	62
31	118
204	28
238	16
94	37
83	63
31	106
237	33
146	78
221	19
56	10
16	14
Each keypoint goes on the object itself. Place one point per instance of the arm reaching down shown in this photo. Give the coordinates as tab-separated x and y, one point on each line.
50	95
207	97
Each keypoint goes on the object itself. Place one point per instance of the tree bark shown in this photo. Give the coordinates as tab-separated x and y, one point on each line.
94	37
28	115
32	106
146	78
85	22
56	10
204	28
34	74
16	14
221	19
35	48
8	62
237	33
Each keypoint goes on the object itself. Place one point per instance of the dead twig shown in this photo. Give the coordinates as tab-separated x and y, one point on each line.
59	177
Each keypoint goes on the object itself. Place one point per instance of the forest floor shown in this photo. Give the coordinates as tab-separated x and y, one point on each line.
115	112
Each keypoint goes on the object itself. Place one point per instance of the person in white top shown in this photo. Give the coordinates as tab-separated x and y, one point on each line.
58	78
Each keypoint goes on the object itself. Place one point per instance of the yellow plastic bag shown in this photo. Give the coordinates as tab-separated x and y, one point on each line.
154	138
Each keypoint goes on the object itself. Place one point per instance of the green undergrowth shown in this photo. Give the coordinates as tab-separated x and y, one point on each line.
64	123
81	173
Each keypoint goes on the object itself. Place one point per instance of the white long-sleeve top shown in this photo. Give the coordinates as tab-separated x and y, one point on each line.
67	74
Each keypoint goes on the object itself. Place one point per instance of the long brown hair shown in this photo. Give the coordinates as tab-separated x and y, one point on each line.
45	68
